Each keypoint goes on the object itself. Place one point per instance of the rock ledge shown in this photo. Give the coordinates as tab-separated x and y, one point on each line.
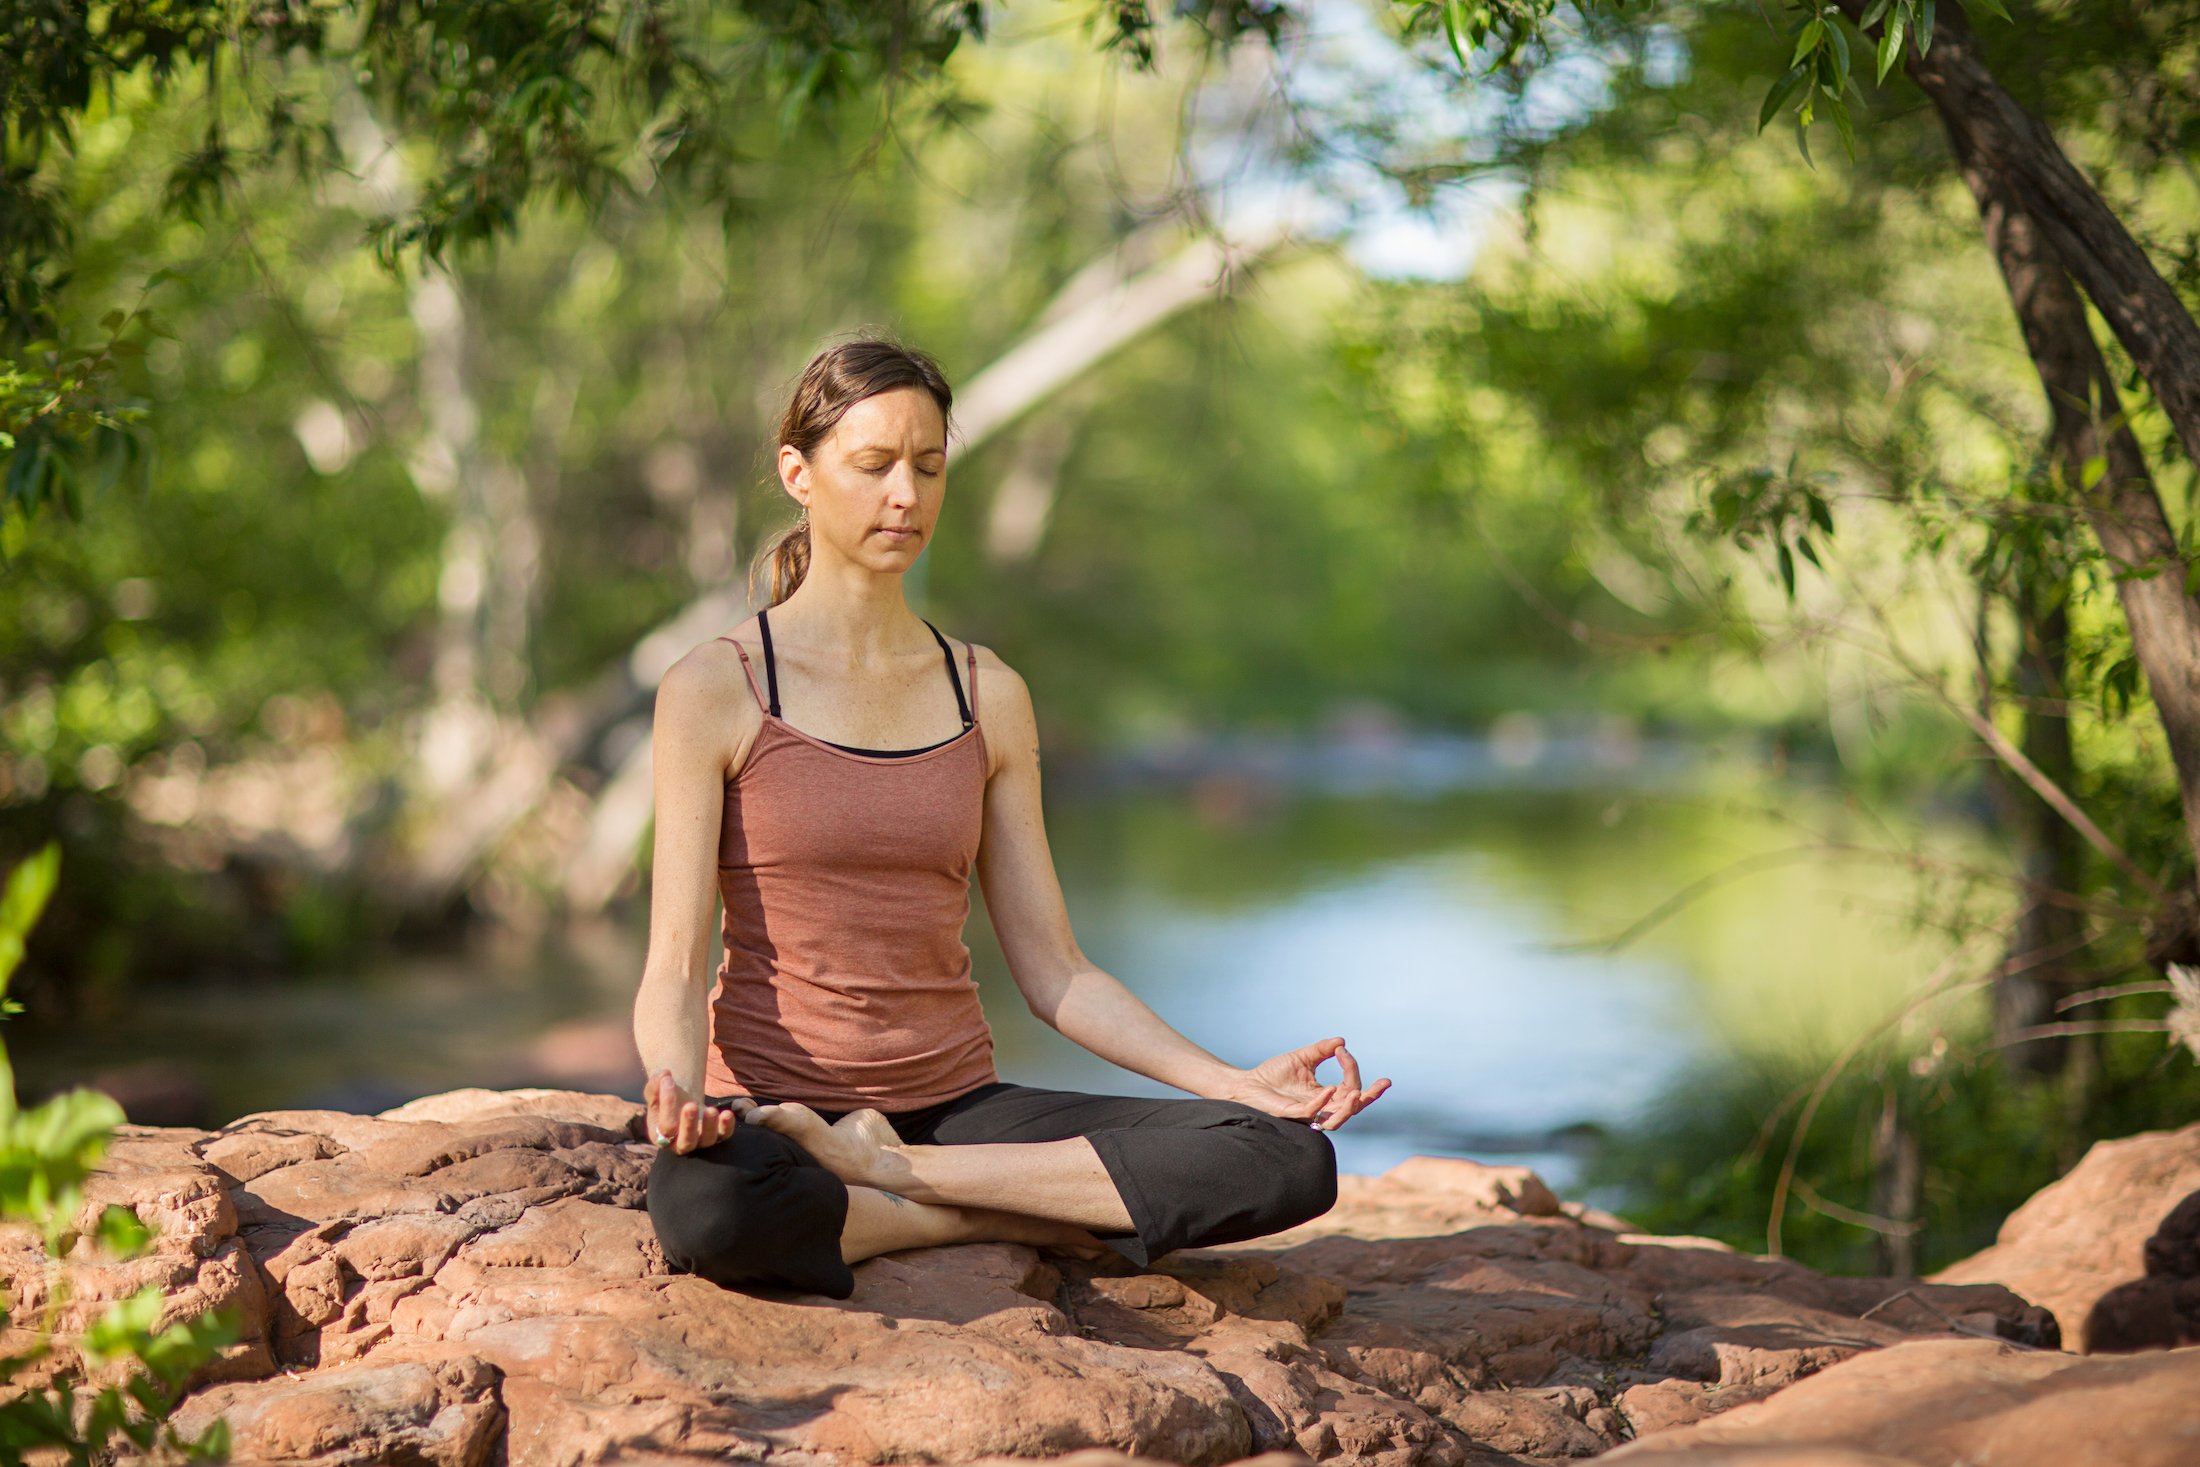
471	1278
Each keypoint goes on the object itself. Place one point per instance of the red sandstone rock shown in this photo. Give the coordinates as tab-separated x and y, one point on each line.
473	1274
2087	1234
1923	1403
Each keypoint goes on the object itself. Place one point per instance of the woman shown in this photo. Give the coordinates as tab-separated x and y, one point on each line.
839	804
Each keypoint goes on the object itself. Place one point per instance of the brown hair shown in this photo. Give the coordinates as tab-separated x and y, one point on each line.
836	379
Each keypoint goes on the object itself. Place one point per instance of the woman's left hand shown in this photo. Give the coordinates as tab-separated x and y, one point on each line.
1286	1086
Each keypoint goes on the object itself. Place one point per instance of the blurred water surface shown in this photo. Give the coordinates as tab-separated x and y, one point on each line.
1453	934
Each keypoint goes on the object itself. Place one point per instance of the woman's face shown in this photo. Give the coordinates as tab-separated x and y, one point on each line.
873	487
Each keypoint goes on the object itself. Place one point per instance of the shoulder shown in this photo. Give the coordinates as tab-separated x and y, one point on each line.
703	672
1005	711
704	694
1002	691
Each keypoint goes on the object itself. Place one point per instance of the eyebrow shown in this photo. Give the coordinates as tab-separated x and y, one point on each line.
889	448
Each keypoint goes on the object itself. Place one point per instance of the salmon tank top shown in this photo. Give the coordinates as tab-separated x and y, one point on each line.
845	875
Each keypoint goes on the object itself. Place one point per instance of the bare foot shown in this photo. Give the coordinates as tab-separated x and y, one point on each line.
995	1225
851	1148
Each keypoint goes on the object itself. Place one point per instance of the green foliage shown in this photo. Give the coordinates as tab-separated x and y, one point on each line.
1819	69
1708	1160
1781	508
1126	27
590	102
46	1153
54	401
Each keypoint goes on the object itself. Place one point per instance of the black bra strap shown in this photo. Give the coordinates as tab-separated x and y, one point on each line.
771	673
771	669
961	703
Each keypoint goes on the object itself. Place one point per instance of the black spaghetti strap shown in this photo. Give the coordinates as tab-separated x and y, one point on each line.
961	703
771	671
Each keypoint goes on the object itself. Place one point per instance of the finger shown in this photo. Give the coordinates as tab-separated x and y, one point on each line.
665	1114
1367	1096
721	1124
1319	1050
658	1113
1342	1110
691	1126
1351	1066
1327	1095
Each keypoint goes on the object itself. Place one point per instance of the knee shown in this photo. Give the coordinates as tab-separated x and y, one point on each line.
1305	1174
1297	1166
705	1212
748	1210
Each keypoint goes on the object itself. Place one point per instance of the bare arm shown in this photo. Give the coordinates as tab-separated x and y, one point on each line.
700	732
1024	897
1085	1005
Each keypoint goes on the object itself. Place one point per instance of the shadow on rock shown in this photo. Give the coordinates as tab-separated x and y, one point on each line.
2160	1311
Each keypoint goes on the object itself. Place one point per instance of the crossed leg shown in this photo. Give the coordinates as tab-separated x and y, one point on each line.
904	1196
790	1201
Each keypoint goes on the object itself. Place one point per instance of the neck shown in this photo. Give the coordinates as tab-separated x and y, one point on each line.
859	614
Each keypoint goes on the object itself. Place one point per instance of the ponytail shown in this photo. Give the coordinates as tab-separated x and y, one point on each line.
787	556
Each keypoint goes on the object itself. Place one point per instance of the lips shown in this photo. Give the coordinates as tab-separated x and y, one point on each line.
905	533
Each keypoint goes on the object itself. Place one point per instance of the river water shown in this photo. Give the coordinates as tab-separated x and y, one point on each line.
1444	912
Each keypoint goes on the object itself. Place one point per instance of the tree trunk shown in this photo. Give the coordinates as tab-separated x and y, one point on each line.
2050	929
1897	1172
2047	225
2100	254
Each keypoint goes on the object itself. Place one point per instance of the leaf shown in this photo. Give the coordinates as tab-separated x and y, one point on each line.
1991	7
1807	42
213	1444
29	885
1846	128
1787	569
1451	32
1872	12
1925	28
2090	473
1890	43
1778	96
122	1232
1803	548
124	1328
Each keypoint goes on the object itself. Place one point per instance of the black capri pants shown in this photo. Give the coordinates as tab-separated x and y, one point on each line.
756	1210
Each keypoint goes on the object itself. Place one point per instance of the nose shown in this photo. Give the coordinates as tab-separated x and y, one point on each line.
901	487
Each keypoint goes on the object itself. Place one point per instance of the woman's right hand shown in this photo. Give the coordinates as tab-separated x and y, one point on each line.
679	1123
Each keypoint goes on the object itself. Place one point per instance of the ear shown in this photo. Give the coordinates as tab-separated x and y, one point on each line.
794	474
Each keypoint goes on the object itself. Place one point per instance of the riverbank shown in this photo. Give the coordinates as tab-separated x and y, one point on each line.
472	1276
